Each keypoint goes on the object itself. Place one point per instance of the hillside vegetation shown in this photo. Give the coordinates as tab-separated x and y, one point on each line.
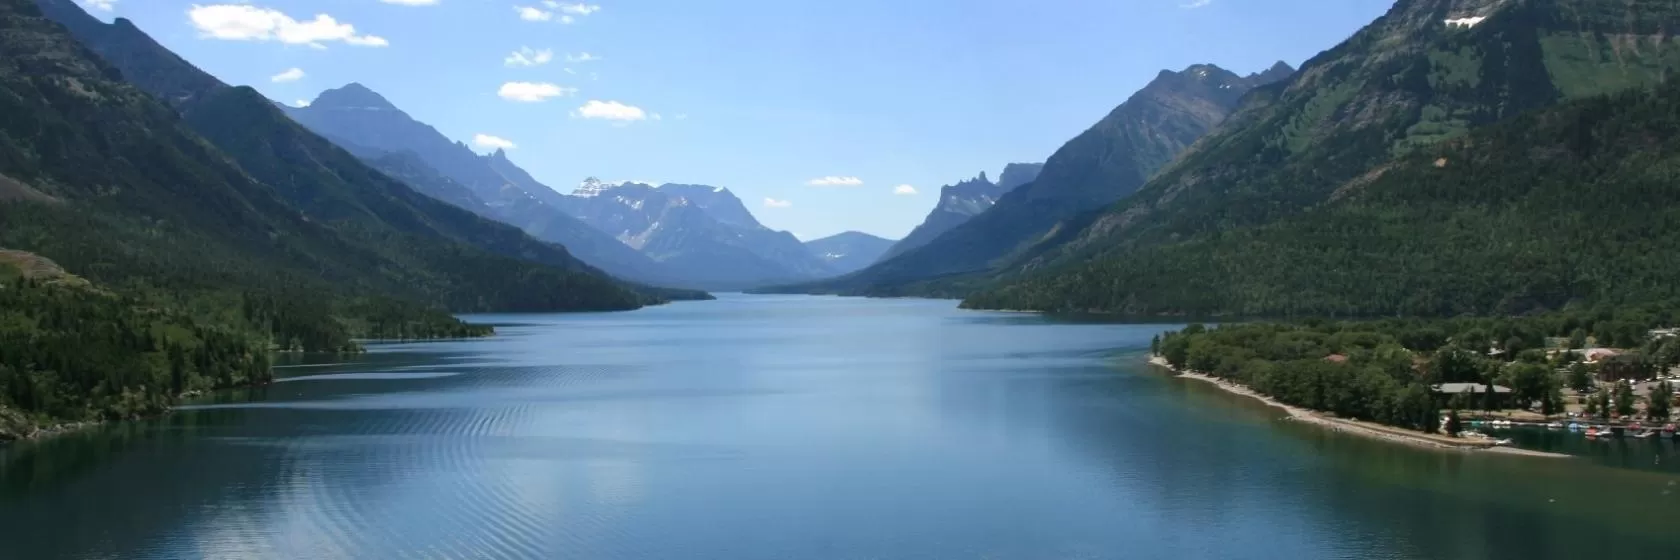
1578	202
1332	193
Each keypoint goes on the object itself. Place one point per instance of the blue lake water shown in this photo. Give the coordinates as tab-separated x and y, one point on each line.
783	427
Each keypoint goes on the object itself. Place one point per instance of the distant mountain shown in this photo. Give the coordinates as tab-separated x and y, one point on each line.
355	116
393	239
703	234
1104	164
1295	205
849	251
957	204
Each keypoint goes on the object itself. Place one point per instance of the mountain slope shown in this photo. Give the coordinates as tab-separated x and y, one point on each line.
1427	71
1103	164
1575	203
1016	174
357	116
702	233
957	204
387	237
849	251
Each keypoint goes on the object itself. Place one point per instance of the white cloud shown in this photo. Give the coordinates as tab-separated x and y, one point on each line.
526	56
529	92
904	190
244	22
581	57
488	141
301	103
528	13
290	75
579	8
1193	4
570	71
562	12
773	203
610	110
833	181
101	5
411	2
682	116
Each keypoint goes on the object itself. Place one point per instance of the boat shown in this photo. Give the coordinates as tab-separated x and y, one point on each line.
1506	441
1554	426
1592	432
1646	434
1574	426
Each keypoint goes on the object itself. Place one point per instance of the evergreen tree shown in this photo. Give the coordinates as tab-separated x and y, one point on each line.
1660	401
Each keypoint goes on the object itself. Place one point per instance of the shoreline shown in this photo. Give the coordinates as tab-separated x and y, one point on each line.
1354	427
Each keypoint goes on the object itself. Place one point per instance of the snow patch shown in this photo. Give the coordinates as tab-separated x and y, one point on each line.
1466	22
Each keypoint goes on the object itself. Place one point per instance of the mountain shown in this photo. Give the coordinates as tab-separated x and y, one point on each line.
1426	72
962	201
1104	164
1573	204
1017	174
365	122
704	234
849	251
224	175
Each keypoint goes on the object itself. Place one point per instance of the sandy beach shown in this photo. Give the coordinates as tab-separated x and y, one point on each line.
1363	429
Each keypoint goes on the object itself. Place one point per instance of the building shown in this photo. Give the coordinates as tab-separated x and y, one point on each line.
1475	393
1474	388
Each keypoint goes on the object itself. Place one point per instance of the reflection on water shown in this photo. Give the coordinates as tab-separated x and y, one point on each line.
793	427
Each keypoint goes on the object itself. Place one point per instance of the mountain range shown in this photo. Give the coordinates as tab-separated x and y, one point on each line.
179	186
367	124
692	236
705	234
1105	163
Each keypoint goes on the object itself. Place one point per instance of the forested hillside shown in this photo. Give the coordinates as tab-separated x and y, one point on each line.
1427	72
72	352
1578	202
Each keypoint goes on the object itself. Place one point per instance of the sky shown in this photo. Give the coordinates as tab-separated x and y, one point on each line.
822	115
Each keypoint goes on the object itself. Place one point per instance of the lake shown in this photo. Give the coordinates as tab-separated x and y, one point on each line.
786	427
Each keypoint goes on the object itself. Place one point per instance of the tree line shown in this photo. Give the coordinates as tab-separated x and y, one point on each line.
1384	371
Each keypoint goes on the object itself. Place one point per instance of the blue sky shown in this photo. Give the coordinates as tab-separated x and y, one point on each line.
765	97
